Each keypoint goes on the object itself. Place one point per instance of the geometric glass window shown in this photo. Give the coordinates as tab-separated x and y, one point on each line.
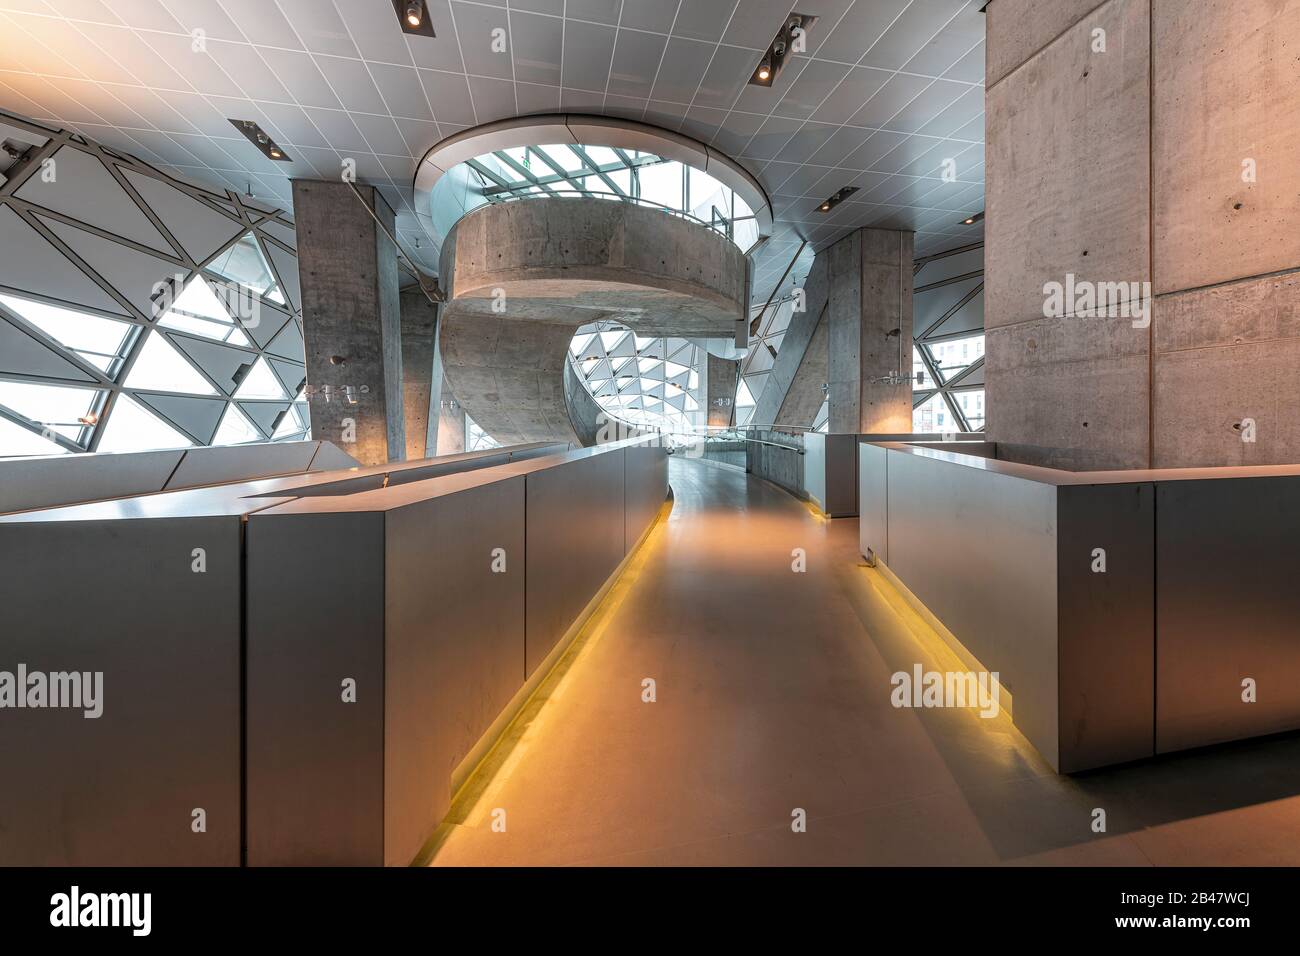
96	339
131	428
160	368
476	439
260	382
644	381
16	440
244	263
235	429
197	310
55	407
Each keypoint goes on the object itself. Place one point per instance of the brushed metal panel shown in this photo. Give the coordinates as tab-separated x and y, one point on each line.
210	466
873	501
646	487
1106	641
978	548
1227	609
814	468
454	646
119	790
575	537
27	483
329	457
315	616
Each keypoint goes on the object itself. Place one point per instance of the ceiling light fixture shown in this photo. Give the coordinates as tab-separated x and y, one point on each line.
414	17
257	136
838	197
971	220
792	38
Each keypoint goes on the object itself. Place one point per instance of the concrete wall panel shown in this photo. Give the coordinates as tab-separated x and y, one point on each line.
1224	355
1226	91
1068	161
1069	393
1017	29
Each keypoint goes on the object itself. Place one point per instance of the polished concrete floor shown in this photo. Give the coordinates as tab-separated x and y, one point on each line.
772	695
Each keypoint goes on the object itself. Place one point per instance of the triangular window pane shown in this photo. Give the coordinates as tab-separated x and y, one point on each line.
199	311
93	337
743	396
160	368
16	440
291	424
244	263
235	429
260	383
131	428
57	407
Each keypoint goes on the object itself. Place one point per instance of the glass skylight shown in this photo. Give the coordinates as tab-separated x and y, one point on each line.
627	175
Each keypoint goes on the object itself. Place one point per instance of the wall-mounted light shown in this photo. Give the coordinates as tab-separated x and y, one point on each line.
830	202
971	220
414	17
792	38
257	136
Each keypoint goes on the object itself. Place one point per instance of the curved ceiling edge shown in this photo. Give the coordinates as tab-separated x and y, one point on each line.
586	130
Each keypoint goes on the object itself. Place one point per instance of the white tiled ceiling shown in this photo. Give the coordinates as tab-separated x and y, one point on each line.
887	91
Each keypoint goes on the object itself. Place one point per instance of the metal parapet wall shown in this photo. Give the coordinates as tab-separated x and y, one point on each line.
1129	613
155	778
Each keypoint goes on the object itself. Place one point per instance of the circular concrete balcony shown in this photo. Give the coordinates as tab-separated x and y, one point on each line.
524	275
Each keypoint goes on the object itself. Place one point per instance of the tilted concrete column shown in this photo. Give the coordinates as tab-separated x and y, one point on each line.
351	316
1141	168
722	376
869	331
421	373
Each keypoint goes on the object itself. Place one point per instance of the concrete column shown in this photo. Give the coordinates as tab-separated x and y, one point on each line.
722	377
351	313
869	331
421	373
1139	152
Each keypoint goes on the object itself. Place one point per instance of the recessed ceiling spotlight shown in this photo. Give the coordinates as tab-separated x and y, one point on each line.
792	38
971	220
414	17
257	136
840	195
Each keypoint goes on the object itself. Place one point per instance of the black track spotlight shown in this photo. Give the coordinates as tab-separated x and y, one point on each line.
257	136
830	202
413	15
792	38
971	220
